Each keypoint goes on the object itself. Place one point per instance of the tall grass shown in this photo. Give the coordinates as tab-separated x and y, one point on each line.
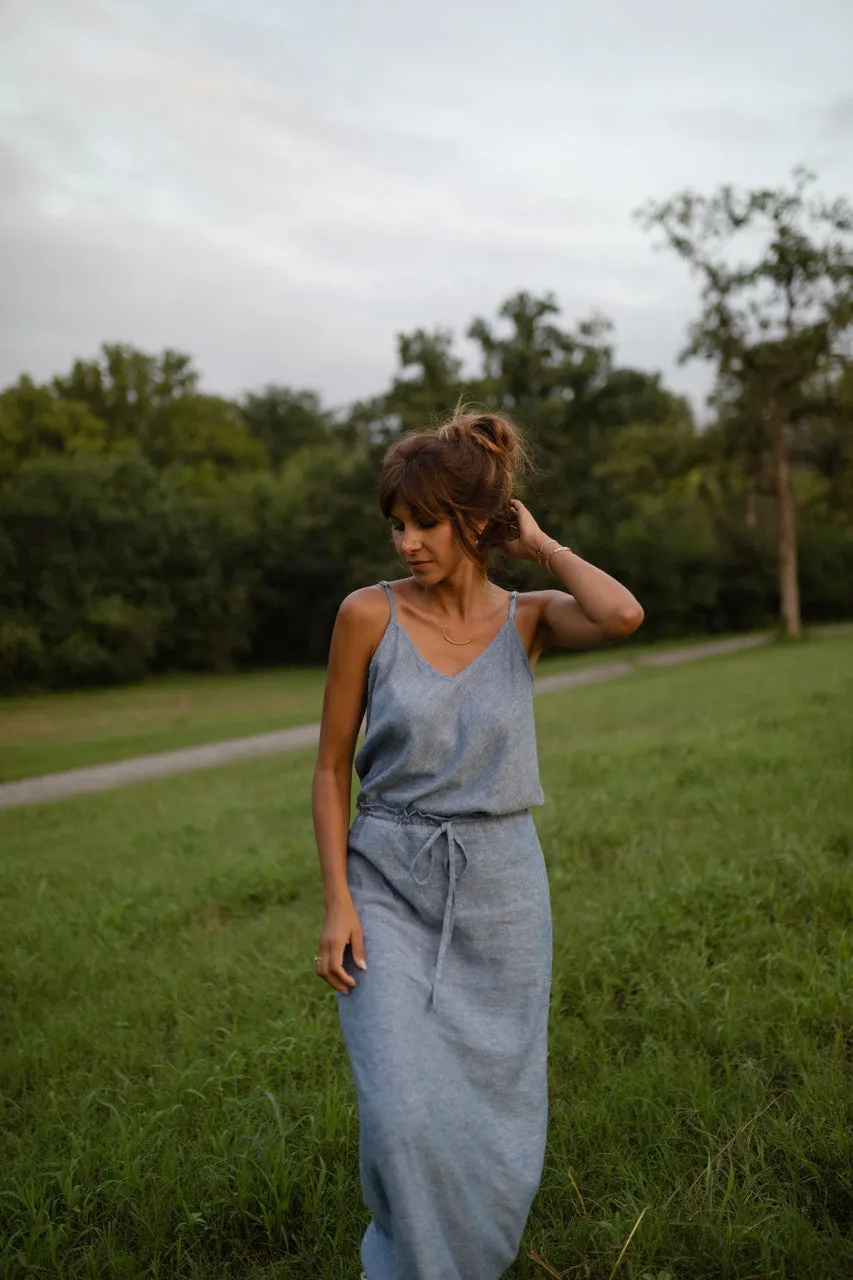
175	1096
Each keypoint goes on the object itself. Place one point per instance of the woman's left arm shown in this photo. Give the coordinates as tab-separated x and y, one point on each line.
597	608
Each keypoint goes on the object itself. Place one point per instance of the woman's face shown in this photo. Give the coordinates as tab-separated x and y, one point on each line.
429	551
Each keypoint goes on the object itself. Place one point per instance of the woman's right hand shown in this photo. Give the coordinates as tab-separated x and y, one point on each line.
341	929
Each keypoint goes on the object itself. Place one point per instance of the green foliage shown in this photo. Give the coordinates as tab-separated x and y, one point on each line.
127	389
147	526
126	631
826	558
35	423
283	421
22	657
83	660
126	401
203	429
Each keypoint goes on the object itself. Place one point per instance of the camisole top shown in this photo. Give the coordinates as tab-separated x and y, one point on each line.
449	746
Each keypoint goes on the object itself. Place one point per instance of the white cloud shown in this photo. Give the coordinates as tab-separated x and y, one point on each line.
279	189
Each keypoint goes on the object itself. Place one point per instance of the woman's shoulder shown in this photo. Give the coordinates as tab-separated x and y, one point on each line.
363	620
532	601
365	604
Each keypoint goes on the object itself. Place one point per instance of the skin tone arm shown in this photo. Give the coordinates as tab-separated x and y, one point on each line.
598	607
343	708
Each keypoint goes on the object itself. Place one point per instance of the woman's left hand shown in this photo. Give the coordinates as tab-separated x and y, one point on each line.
530	537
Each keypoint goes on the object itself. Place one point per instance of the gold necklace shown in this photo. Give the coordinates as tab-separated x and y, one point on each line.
449	639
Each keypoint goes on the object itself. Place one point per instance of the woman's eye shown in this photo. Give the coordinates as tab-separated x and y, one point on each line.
426	524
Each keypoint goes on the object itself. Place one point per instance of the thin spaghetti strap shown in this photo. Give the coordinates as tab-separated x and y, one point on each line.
512	601
390	594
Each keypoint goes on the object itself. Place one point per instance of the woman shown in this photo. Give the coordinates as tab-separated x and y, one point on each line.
437	932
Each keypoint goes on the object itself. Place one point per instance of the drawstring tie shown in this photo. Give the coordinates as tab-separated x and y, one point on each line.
454	873
423	874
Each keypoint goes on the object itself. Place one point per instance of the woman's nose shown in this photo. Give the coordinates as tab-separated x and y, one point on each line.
410	541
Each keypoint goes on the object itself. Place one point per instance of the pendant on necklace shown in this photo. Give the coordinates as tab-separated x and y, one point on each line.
457	642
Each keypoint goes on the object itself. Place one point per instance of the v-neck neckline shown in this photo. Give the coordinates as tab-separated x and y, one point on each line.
446	674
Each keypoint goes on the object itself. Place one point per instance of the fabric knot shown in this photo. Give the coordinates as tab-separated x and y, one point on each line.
423	865
454	873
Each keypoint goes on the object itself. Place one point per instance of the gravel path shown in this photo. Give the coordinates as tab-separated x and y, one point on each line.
105	777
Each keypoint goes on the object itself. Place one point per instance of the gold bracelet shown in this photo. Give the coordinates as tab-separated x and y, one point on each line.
540	554
550	557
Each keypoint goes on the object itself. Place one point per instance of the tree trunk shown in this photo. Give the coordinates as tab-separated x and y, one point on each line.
789	584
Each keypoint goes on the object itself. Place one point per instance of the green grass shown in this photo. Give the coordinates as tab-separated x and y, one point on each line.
46	732
176	1099
42	733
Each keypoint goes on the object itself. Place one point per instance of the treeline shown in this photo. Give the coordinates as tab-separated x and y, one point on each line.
147	526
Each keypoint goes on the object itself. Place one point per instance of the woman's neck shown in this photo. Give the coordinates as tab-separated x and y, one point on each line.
465	594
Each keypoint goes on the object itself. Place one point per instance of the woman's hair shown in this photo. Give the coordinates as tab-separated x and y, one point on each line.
465	471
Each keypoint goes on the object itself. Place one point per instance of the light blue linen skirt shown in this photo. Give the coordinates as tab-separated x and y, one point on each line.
447	1035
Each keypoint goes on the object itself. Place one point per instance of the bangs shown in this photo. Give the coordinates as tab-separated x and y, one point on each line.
418	484
462	472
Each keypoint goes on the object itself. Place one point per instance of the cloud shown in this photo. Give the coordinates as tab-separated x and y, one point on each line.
280	189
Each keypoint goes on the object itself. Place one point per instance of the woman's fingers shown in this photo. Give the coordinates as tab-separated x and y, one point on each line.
330	967
357	944
340	975
341	929
527	545
526	522
335	974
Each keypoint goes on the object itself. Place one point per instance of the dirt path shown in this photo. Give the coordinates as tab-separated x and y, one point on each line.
105	777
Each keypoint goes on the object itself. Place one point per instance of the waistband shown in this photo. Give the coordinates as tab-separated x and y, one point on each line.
422	865
414	815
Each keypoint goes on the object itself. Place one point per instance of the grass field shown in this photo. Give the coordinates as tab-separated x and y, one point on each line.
42	733
47	732
175	1095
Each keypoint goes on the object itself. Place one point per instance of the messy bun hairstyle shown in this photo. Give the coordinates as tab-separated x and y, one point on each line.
463	471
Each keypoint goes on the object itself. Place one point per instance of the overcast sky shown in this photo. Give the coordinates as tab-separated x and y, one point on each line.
280	186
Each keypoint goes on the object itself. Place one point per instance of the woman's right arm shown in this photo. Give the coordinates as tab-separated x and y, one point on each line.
353	640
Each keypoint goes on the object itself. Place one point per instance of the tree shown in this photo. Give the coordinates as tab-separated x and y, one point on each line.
34	422
285	420
128	389
563	386
537	362
203	430
824	440
772	323
152	403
